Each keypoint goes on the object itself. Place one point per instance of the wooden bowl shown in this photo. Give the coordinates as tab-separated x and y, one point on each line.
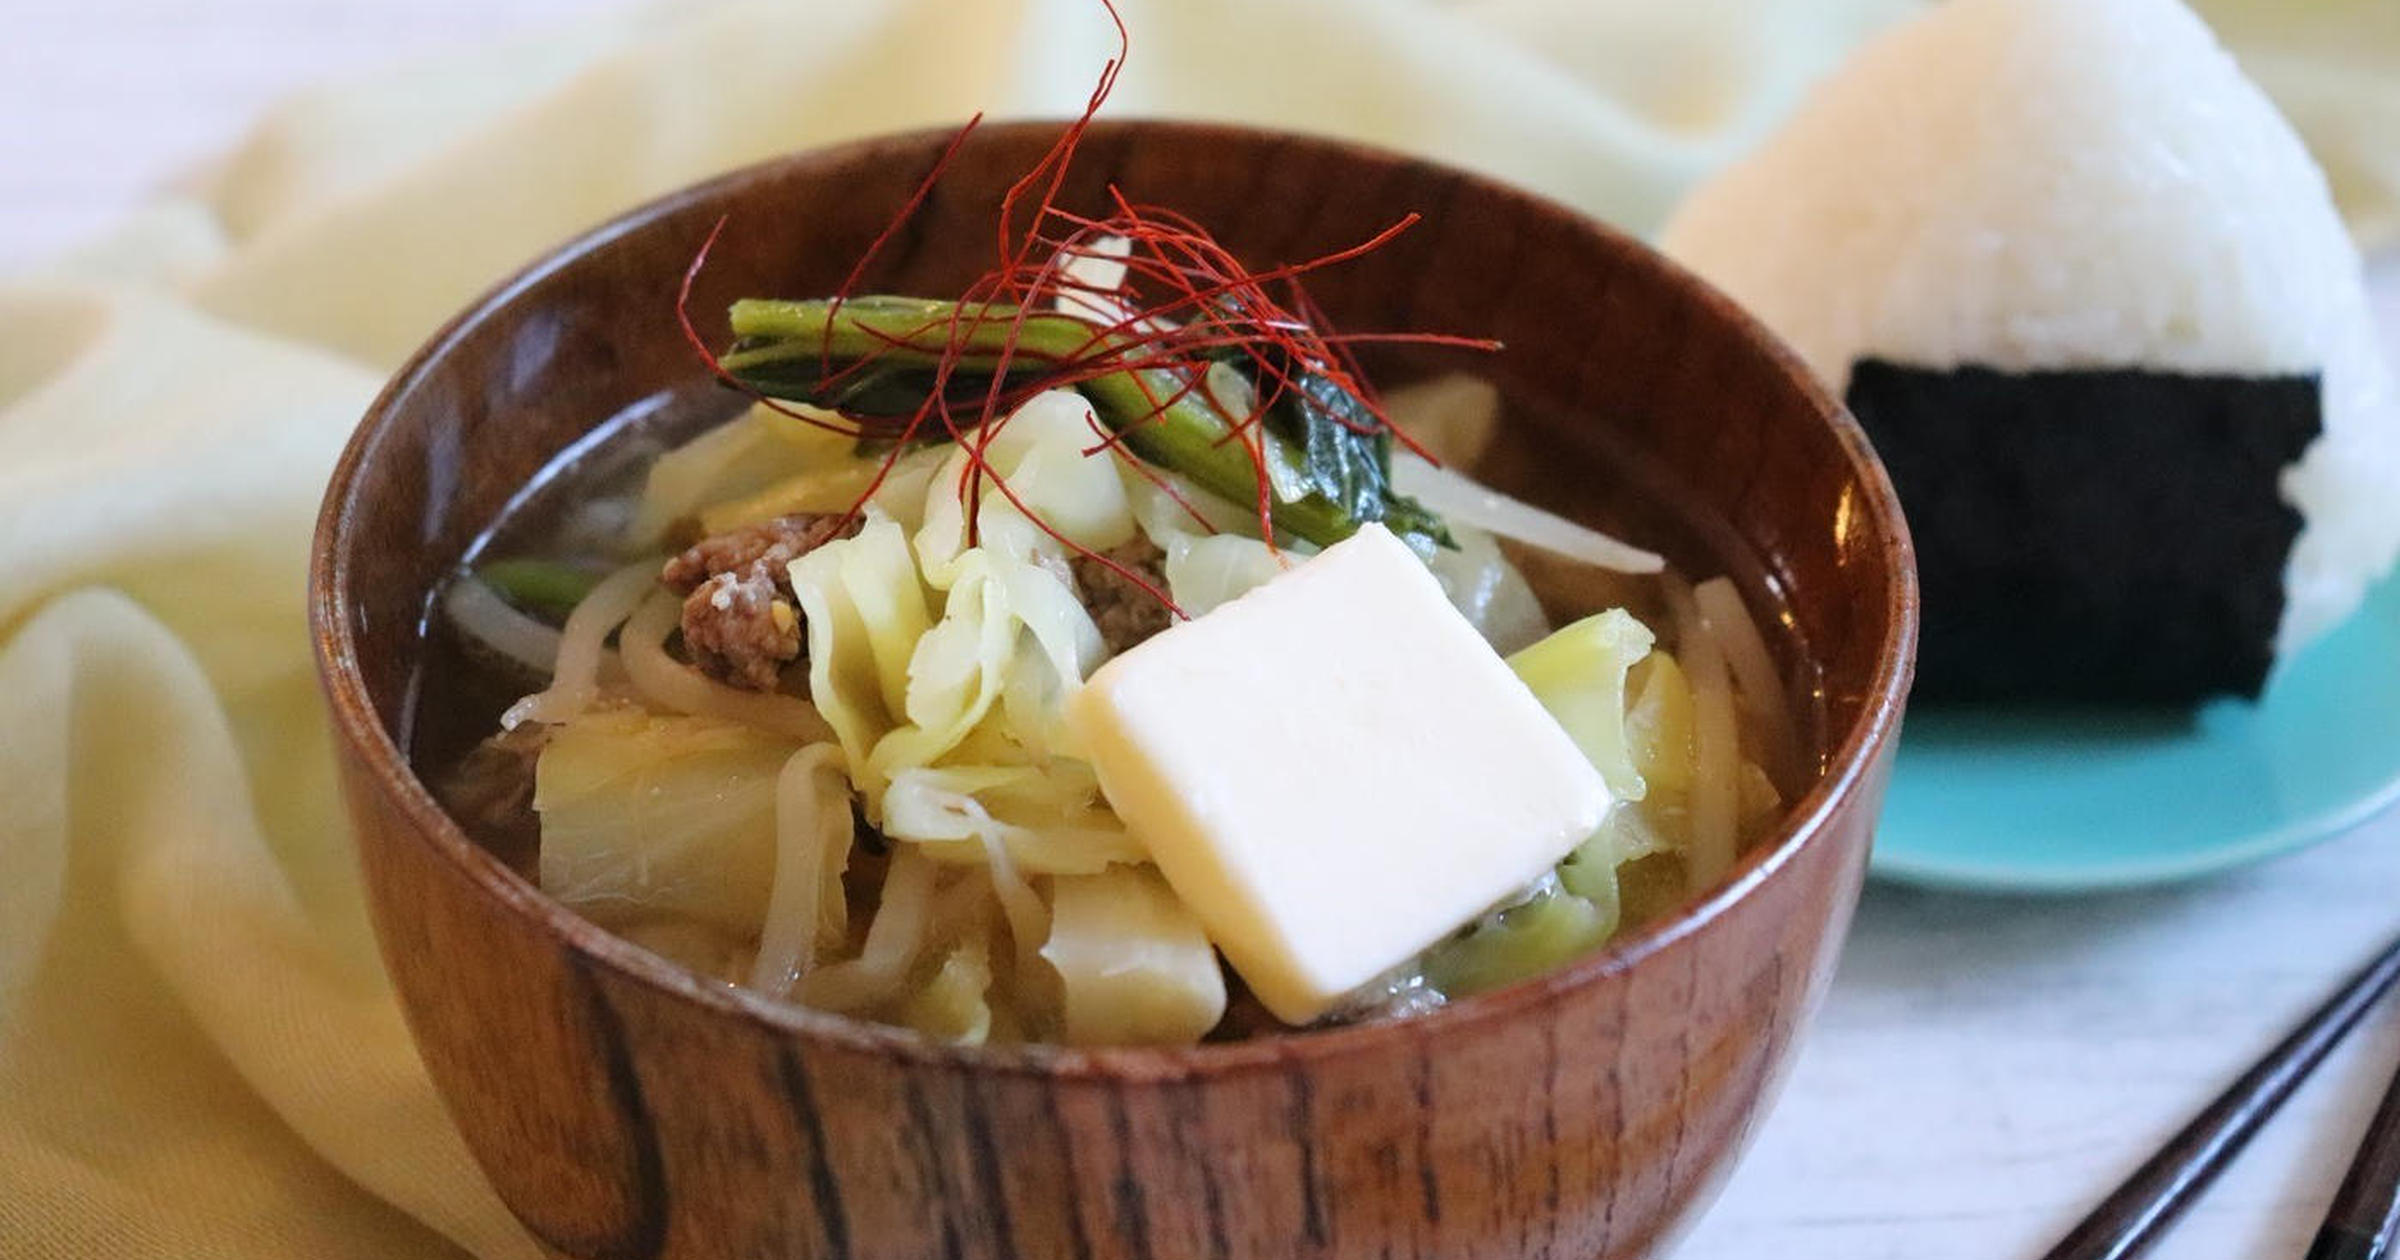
628	1110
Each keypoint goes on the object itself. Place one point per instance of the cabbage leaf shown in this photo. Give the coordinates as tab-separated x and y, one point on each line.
1135	967
670	815
866	609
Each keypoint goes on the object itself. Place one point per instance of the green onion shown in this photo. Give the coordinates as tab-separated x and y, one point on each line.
550	587
1319	434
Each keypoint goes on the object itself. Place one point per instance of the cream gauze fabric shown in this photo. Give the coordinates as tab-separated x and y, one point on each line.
199	1055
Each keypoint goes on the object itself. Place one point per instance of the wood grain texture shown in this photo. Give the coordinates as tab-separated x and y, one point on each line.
625	1109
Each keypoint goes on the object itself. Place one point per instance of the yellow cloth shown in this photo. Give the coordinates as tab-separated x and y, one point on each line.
199	1057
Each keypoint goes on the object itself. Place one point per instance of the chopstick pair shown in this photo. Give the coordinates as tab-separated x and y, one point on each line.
2366	1211
2364	1221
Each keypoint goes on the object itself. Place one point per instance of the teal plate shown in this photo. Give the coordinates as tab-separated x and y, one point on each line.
2060	800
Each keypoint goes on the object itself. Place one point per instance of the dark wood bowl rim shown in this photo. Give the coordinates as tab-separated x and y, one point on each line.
330	615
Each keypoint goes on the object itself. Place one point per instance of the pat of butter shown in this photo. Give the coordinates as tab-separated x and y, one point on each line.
1335	771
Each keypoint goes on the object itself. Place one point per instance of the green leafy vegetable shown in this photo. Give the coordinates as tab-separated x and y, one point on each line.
1326	456
1346	454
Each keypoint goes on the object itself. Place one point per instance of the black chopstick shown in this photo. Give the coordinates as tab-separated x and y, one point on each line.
2365	1217
2138	1213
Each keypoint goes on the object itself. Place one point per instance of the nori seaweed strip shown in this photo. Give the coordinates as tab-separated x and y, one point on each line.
2107	535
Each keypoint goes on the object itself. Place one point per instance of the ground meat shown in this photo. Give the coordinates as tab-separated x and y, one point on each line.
741	624
771	544
1125	613
742	630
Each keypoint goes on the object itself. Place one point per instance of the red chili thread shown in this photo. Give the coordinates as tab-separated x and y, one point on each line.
716	367
1184	300
908	210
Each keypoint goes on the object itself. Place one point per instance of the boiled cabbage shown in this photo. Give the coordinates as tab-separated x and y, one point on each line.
1527	940
1579	675
961	666
1134	964
742	457
671	815
1050	819
865	609
1489	591
1658	725
1039	453
1206	570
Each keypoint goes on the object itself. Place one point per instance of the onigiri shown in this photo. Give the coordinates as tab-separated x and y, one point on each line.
2090	297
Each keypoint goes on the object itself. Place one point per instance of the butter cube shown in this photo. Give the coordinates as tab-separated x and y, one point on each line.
1334	771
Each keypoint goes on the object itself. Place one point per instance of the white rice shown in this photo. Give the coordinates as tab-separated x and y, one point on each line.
2041	184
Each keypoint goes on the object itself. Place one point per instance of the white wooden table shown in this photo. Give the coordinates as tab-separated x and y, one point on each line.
1984	1068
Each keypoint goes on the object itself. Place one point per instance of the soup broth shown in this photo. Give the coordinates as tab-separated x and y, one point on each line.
972	973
